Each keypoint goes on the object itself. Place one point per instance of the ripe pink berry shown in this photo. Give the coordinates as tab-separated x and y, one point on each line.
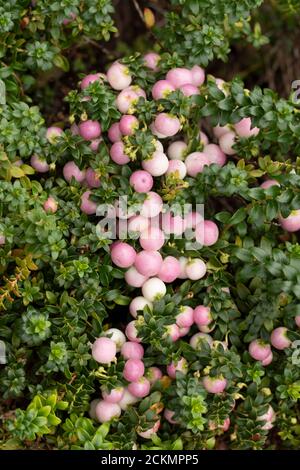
259	350
214	384
133	370
114	133
198	75
223	427
123	255
148	263
127	400
172	332
195	163
138	90
195	269
279	338
215	154
152	206
114	395
92	179
134	278
268	359
150	432
243	128
128	124
87	206
193	219
40	165
157	164
138	224
221	130
117	336
292	222
118	76
176	150
132	350
53	133
131	332
177	168
202	315
94	145
189	90
153	374
151	60
162	89
174	224
226	143
154	289
207	233
104	350
180	76
88	79
141	181
71	170
177	366
203	138
90	130
138	304
207	328
140	388
269	418
167	124
50	205
269	183
199	339
156	133
185	318
152	239
184	330
126	100
106	411
169	270
117	154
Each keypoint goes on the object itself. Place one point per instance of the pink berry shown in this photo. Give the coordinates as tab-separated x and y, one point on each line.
104	350
215	154
185	318
118	76
141	181
134	278
167	124
90	130
53	133
183	262
133	370
40	165
177	366
189	90
176	150
123	255
168	415
106	411
114	396
223	427
151	60
180	76
207	328
152	239
269	183
162	89
184	330
177	168
221	130
126	100
203	138
202	315
169	270
279	338
117	154
117	336
140	388
71	170
195	269
174	224
92	179
207	233
132	350
138	224
268	359
154	289
138	304
156	133
193	219
157	164
74	129
243	128
214	384
94	145
153	374
127	400
226	143
50	205
195	163
131	332
292	222
88	79
259	350
128	124
269	418
172	332
2	240
114	133
138	90
152	205
198	75
148	263
87	206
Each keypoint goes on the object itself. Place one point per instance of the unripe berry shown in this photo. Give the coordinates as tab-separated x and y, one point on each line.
117	336
138	304
153	374
127	399
176	150
154	289
177	168
53	133
199	339
195	269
